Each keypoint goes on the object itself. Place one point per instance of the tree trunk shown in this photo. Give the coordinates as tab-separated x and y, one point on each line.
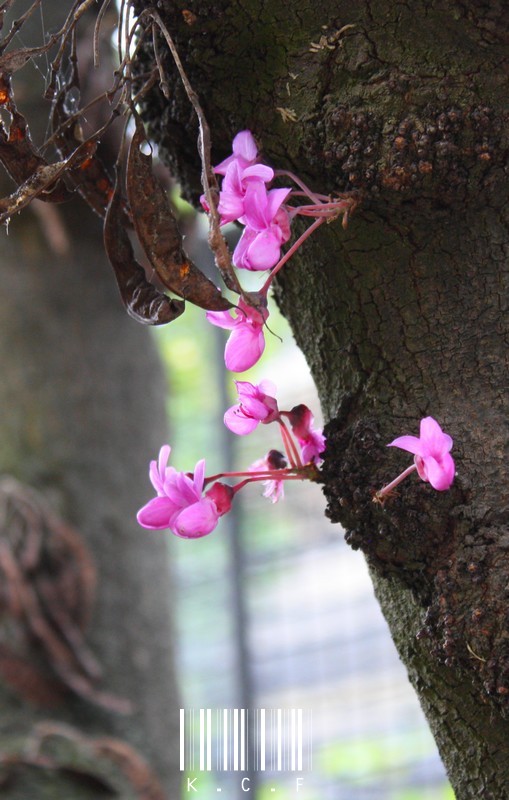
400	316
83	411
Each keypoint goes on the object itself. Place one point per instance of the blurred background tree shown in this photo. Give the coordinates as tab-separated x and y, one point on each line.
83	409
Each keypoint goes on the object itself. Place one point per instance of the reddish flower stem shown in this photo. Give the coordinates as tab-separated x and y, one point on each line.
308	193
330	209
295	246
392	485
289	445
325	198
263	475
274	477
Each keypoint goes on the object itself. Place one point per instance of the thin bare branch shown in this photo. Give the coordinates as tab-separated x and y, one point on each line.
97	30
17	24
217	241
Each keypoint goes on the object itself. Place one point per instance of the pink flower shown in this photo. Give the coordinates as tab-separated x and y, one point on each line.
235	184
245	153
267	228
311	440
273	461
246	342
257	404
239	170
431	453
180	504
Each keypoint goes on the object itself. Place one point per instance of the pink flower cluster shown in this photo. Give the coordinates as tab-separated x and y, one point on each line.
244	197
183	505
182	502
258	404
191	504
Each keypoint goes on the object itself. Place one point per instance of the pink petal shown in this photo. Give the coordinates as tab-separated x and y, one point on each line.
267	387
421	467
412	444
245	389
244	348
244	146
244	151
434	440
196	520
264	251
230	207
164	455
313	447
258	172
240	253
159	468
199	476
254	407
232	182
181	490
440	474
256	202
223	166
275	199
238	423
275	490
155	478
221	319
282	220
156	514
429	428
447	442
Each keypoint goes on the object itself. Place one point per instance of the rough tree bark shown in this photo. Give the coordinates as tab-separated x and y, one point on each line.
402	315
